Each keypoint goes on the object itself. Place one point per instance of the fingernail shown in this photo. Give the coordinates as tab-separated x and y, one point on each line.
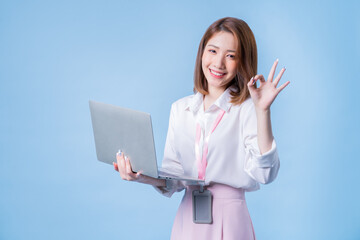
253	81
284	67
277	59
126	158
119	152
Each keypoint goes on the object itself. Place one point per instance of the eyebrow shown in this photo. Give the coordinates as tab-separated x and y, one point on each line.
210	45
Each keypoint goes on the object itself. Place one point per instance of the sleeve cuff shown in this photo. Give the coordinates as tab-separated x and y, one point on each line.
171	187
267	159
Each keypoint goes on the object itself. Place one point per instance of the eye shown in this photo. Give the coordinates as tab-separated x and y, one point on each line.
212	51
231	56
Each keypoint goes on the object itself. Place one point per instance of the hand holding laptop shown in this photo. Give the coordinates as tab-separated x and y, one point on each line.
115	127
123	166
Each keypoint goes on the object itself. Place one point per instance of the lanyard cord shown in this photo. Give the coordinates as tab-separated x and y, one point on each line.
202	163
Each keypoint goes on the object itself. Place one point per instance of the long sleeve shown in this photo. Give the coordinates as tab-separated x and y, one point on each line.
262	168
170	163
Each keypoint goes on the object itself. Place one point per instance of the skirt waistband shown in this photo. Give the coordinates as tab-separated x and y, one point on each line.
220	191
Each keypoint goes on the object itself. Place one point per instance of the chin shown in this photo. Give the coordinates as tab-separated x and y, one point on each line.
217	85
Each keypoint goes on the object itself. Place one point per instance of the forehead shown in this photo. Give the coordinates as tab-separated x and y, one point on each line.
223	40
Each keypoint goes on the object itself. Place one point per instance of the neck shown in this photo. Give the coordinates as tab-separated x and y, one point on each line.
214	93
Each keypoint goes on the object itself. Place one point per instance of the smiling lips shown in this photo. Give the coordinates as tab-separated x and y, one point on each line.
216	74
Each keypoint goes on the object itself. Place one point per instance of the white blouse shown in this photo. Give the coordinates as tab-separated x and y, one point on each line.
233	155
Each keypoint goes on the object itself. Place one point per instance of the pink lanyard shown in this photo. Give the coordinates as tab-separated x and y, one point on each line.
203	163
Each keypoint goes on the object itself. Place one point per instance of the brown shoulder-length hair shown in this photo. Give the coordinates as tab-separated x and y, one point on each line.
246	54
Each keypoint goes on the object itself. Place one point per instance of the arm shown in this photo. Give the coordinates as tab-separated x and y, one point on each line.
263	97
261	166
265	136
262	161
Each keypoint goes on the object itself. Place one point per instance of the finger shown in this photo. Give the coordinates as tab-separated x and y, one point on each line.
272	70
118	155
278	77
129	171
283	86
251	83
115	166
259	77
121	163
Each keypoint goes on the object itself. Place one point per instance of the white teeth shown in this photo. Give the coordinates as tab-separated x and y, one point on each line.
217	74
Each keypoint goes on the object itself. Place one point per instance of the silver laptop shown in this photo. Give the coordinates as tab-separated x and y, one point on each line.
131	131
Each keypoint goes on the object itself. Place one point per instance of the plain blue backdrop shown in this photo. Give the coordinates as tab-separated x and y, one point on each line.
56	55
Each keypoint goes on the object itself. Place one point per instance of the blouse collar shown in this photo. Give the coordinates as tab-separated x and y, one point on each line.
222	102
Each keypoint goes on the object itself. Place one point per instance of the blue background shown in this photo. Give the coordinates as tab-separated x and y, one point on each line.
56	55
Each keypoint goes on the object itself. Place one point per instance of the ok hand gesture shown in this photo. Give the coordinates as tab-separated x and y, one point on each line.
265	94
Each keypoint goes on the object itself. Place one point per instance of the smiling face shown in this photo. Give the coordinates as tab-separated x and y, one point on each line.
219	62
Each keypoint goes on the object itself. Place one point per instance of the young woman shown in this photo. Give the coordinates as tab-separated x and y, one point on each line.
221	134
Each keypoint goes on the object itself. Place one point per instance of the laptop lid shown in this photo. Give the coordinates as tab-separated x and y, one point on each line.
129	130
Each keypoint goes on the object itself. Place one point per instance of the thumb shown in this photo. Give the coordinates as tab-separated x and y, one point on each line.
138	174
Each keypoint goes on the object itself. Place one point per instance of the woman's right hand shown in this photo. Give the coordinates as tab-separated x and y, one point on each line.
123	166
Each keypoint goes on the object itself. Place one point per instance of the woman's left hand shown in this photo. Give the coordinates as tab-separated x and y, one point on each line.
265	94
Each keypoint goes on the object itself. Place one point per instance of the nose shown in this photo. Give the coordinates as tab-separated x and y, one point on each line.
219	61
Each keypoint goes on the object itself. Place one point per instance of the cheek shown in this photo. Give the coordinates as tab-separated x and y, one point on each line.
232	69
231	66
204	63
204	60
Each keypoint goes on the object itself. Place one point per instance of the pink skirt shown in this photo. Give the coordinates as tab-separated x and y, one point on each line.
231	219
